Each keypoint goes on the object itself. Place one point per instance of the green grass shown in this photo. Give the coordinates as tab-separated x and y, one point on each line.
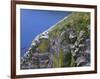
77	20
43	46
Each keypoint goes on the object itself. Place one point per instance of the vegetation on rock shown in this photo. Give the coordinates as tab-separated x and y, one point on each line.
67	44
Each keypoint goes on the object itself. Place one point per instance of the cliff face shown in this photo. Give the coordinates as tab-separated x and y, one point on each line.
66	44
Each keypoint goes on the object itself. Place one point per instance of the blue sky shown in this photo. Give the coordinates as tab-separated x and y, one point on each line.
34	22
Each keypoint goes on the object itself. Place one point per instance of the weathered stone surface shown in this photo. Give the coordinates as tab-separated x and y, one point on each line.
66	46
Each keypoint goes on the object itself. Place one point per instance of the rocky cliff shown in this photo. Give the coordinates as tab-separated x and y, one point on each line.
66	44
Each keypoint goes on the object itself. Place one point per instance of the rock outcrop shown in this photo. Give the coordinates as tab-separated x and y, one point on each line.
67	44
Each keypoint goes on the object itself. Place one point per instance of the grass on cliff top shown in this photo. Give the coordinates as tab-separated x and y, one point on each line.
77	20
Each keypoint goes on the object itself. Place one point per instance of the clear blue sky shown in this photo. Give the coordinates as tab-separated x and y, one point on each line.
33	22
